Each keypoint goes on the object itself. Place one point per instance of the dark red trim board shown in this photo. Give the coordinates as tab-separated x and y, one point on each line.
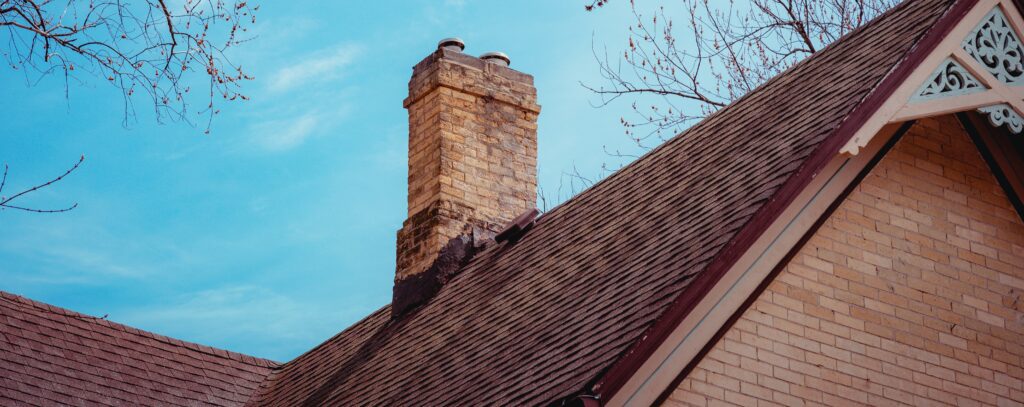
785	260
632	360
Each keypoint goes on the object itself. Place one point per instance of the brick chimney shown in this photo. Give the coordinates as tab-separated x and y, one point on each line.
472	151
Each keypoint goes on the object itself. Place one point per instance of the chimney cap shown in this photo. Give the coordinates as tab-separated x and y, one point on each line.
496	58
452	44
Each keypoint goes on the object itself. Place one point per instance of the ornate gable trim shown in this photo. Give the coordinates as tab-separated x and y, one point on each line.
978	66
995	45
951	79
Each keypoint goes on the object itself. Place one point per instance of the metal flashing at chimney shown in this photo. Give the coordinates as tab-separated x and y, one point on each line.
409	293
518	227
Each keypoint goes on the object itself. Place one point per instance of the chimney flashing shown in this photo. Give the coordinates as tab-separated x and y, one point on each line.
415	290
518	227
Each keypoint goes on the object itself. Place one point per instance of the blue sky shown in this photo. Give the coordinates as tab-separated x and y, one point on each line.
277	230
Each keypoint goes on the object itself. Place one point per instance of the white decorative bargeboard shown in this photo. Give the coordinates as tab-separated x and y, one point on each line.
995	45
979	66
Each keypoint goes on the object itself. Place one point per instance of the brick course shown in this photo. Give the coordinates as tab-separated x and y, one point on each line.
909	294
472	153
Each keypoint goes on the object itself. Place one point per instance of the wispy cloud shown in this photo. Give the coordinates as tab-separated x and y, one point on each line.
303	100
271	323
278	135
319	66
83	253
89	259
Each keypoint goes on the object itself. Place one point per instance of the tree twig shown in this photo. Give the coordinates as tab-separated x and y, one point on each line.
5	202
735	48
145	48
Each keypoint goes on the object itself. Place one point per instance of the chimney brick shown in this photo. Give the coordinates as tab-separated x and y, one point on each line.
472	153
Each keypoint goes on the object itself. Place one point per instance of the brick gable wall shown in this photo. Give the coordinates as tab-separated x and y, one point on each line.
909	294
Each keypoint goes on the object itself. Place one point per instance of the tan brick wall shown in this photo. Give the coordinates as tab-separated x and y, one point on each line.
910	294
472	152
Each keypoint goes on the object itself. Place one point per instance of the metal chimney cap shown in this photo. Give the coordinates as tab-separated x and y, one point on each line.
452	44
496	58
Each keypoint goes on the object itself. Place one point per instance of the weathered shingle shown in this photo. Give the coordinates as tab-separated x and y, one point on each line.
52	356
541	319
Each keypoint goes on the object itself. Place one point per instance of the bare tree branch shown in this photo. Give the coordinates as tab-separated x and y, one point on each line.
730	48
5	202
148	48
143	48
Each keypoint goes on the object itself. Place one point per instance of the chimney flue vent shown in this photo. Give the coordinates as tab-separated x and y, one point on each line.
452	44
496	58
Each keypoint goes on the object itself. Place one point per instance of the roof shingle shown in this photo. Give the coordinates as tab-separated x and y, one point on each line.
539	320
53	356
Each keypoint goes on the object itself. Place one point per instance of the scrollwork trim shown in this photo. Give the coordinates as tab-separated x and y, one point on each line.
995	45
1002	114
950	79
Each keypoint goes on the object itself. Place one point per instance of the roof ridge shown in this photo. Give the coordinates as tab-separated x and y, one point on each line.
204	349
611	380
707	119
856	31
607	241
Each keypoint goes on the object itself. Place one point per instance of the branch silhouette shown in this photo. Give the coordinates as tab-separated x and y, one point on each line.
146	48
150	50
5	202
725	50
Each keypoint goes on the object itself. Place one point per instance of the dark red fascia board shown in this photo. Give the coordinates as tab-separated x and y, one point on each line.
785	261
969	122
626	366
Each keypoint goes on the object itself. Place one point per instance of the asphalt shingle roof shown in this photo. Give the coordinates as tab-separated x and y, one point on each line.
53	356
542	319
